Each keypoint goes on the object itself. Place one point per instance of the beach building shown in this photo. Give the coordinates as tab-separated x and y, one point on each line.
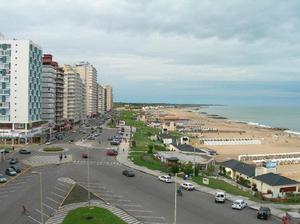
20	93
235	168
166	138
229	141
187	149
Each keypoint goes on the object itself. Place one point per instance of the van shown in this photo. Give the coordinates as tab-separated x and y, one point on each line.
220	197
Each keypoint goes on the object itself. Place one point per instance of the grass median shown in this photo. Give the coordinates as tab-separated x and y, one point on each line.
91	215
53	149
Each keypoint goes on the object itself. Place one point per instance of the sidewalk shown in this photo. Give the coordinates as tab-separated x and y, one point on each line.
123	159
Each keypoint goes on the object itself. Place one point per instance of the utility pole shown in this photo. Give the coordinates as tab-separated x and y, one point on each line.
41	195
88	169
194	161
175	202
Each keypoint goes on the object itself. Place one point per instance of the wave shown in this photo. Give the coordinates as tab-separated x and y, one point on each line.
258	124
292	132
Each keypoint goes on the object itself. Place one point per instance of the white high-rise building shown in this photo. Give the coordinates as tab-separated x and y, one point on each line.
88	75
20	89
108	98
100	99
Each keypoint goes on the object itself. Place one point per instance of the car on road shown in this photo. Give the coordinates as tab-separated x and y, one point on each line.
165	178
114	142
220	197
128	173
187	186
73	131
2	178
111	152
84	155
239	204
16	168
263	213
48	143
13	161
24	151
10	172
71	140
91	138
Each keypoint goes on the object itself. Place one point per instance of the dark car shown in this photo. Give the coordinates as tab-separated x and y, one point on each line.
13	161
263	213
24	151
112	152
84	155
71	140
10	172
128	173
16	168
115	142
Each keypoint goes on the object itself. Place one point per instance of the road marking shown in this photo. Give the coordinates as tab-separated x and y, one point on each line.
16	182
137	210
57	195
57	188
155	223
42	213
128	205
149	217
34	219
6	192
53	200
123	200
112	196
49	207
63	184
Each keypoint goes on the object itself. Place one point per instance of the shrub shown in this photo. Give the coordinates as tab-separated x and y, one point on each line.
174	168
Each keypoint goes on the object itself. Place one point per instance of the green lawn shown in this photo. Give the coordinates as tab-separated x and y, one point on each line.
99	216
222	185
53	149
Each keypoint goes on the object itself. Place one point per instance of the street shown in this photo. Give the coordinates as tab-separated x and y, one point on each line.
142	196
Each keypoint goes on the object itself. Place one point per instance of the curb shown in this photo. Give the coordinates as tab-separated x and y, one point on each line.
67	195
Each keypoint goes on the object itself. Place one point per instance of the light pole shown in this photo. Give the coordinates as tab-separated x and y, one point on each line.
88	170
175	202
41	195
194	161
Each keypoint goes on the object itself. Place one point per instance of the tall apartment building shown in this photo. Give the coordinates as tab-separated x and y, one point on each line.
52	92
100	99
108	98
74	95
20	89
88	75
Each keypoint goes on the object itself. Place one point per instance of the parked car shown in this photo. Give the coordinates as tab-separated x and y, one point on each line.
84	155
90	138
114	142
111	152
48	143
128	173
263	213
16	168
239	204
71	140
165	178
220	197
187	186
24	151
2	178
10	172
13	161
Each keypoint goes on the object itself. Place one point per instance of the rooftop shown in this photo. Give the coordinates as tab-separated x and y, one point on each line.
244	168
188	148
273	179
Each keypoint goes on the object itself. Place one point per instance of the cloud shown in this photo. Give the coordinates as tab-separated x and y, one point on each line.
155	42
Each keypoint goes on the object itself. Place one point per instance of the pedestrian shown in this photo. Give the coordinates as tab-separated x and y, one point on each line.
24	210
60	157
123	149
65	155
285	219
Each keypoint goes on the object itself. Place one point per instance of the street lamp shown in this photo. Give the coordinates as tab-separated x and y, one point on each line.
175	202
88	170
41	194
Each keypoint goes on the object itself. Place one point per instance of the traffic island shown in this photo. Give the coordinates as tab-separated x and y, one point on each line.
91	215
53	149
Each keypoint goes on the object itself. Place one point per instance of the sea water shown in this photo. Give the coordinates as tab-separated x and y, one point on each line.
265	116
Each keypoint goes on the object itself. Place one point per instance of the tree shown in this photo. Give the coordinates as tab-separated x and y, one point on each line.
150	149
187	168
174	168
133	143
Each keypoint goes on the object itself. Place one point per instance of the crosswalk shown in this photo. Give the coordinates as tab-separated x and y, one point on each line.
97	163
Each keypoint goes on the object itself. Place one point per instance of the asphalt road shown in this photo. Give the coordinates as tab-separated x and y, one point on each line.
143	196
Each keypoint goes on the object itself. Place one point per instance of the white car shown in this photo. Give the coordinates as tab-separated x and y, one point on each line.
2	178
239	204
187	186
165	178
48	143
220	197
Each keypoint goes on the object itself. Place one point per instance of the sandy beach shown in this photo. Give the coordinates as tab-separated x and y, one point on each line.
273	141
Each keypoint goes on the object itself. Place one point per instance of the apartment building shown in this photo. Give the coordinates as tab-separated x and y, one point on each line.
20	89
100	99
74	96
52	92
108	98
88	75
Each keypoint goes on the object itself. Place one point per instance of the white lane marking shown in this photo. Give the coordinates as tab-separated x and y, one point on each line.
6	192
16	183
63	185
42	213
49	207
123	200
137	210
34	219
53	200
57	195
127	205
112	196
149	217
61	190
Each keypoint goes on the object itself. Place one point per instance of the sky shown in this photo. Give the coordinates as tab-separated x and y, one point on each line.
173	51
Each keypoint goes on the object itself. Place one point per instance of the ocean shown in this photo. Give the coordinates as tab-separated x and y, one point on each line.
268	116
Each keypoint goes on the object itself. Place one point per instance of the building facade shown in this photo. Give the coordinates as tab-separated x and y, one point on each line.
108	98
88	75
59	108
101	100
20	90
74	95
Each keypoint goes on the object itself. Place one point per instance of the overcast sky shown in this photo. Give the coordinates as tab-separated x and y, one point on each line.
231	52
